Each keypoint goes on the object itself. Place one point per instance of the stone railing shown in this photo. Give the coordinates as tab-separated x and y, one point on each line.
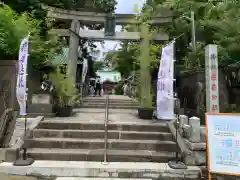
192	144
191	140
7	124
194	137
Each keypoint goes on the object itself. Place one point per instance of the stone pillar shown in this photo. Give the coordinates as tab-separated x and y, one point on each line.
73	50
195	130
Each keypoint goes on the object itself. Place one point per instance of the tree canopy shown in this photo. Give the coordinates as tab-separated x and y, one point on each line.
14	27
34	8
216	22
84	5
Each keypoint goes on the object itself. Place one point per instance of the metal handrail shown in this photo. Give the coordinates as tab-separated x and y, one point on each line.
106	130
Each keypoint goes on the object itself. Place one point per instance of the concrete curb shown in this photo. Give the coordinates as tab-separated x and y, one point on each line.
97	169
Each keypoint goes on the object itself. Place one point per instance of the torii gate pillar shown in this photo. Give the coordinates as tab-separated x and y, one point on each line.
73	50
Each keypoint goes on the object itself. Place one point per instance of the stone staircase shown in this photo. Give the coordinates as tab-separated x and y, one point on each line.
73	148
63	140
123	102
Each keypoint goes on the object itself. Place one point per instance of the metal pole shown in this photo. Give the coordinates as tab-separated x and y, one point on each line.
176	164
81	94
105	131
133	83
25	137
177	126
193	31
194	36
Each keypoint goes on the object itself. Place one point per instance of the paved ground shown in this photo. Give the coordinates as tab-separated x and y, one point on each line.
97	169
9	177
126	116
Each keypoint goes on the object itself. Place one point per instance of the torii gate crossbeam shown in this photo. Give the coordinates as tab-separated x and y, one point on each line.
165	16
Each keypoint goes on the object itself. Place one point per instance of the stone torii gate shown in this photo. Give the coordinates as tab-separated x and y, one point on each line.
110	21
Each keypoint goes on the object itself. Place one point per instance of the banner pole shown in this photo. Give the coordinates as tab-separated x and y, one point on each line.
176	164
24	161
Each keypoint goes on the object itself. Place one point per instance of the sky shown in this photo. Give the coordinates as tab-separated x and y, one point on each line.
123	7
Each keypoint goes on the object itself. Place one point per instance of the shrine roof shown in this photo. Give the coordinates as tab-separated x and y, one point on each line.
62	58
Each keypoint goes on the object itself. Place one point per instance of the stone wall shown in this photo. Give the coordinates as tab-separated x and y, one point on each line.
34	84
193	94
8	80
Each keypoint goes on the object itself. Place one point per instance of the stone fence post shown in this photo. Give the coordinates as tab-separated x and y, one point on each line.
194	123
183	120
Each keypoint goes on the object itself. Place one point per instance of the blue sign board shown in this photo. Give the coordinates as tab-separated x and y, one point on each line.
223	135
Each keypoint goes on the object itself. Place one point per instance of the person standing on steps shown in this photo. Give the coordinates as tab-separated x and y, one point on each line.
98	86
125	88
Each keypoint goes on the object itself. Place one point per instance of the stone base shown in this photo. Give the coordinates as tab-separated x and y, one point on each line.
23	162
46	110
46	115
177	165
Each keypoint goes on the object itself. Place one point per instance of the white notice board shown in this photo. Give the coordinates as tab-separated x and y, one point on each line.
223	143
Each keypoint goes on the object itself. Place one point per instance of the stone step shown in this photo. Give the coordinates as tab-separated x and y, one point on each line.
98	155
110	106
99	170
46	115
70	143
101	99
111	101
112	134
81	125
80	178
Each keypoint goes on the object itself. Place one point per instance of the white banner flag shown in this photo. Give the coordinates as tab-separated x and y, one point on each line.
84	69
21	88
165	99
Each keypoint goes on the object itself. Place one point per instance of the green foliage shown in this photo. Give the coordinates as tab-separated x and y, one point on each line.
83	5
125	60
118	88
217	22
34	7
65	88
98	65
15	27
233	108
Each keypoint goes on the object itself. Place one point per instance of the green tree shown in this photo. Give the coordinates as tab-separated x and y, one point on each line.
98	65
216	22
35	8
125	60
14	27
